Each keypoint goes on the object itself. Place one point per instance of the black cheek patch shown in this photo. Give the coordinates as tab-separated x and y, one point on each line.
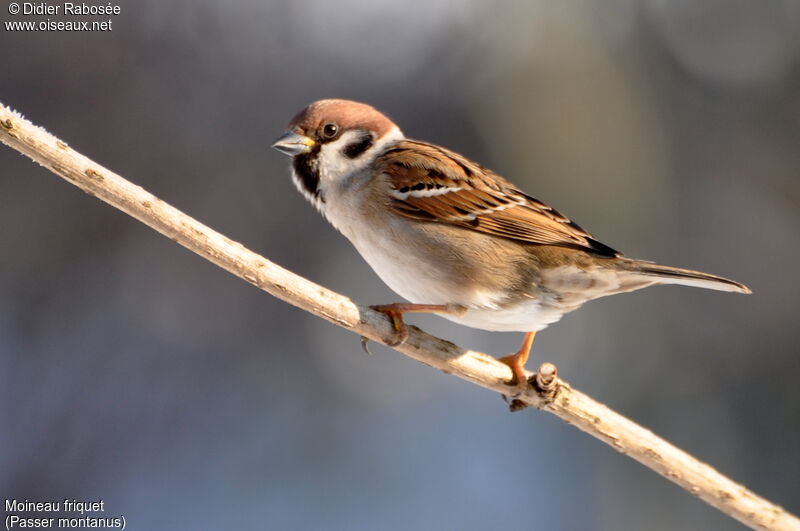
306	170
357	148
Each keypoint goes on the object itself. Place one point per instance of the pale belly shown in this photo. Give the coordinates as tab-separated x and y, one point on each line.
530	316
411	273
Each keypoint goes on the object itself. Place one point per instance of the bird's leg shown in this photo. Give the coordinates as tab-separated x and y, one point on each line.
517	361
395	313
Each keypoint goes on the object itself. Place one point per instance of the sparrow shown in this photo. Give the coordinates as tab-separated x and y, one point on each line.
451	236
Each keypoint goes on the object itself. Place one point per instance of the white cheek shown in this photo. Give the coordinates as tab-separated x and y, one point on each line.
332	161
335	166
340	176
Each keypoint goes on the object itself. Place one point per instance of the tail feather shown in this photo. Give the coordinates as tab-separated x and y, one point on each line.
659	274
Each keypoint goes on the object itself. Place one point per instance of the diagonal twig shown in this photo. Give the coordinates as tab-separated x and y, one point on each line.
547	393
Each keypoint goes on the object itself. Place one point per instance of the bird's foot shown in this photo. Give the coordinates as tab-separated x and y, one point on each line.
396	310
395	314
517	365
516	362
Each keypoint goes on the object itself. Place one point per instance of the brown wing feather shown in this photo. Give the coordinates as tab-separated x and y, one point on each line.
430	183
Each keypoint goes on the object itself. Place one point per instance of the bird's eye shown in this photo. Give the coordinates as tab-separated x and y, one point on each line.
330	130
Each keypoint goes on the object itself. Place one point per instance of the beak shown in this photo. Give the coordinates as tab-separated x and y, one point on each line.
291	143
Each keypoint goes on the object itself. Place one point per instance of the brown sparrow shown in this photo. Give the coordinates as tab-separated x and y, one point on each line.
451	236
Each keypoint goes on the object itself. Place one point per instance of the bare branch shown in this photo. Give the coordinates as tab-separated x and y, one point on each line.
547	393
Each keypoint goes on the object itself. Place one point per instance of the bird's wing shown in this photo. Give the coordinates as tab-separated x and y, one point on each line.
430	183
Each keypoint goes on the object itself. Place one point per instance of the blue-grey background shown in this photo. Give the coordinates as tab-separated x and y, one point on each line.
135	372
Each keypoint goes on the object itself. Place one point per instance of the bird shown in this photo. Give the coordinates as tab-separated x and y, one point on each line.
451	236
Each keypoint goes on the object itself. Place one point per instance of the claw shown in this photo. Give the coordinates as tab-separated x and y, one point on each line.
364	342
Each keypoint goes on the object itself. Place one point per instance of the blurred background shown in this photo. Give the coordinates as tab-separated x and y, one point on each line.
135	372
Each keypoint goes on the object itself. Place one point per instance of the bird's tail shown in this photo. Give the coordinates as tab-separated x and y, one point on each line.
650	273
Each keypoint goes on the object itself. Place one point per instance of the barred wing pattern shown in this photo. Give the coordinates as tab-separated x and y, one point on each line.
433	184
